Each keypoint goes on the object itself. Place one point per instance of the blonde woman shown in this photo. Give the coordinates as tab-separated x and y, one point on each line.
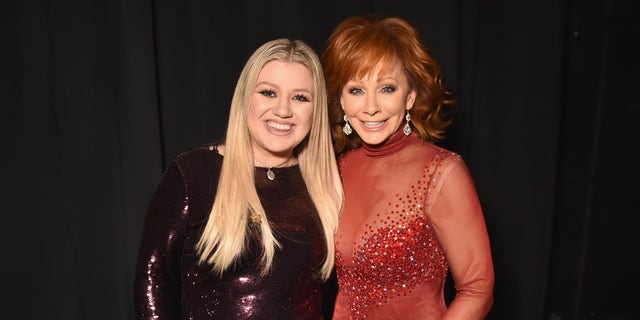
244	229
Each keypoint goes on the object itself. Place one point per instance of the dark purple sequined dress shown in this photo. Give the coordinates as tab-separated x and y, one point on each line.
169	282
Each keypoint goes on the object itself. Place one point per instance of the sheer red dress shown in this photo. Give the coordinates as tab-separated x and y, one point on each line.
169	282
411	212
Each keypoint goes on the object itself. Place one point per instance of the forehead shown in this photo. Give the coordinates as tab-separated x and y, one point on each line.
284	73
382	69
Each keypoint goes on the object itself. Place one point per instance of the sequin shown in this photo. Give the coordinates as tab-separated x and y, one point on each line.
394	260
171	284
396	249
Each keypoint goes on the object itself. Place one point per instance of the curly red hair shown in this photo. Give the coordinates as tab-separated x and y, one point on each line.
357	45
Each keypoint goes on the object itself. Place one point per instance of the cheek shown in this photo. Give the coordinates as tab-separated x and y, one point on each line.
348	103
253	112
395	104
259	105
304	116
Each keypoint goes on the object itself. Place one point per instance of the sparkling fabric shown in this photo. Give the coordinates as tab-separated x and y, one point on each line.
390	262
169	282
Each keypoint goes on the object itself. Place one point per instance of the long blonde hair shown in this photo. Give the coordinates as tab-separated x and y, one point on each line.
223	239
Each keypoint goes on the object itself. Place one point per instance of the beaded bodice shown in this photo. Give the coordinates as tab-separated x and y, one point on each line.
389	261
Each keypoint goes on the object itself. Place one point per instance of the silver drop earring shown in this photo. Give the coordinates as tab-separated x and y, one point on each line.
407	127
347	128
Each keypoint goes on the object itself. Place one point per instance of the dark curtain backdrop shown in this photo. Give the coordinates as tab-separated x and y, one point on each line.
97	96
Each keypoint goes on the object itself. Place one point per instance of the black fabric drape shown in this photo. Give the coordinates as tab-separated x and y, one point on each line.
97	96
84	155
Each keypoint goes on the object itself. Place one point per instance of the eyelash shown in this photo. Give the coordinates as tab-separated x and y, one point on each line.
298	97
388	89
385	89
355	91
268	93
301	97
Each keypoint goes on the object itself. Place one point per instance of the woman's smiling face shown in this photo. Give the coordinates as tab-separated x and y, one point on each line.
281	108
375	105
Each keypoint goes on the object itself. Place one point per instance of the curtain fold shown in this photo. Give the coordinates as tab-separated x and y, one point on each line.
100	95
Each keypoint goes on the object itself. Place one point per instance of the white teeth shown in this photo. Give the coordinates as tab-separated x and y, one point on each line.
373	123
279	126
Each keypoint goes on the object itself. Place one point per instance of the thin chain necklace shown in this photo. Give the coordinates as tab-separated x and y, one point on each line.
270	174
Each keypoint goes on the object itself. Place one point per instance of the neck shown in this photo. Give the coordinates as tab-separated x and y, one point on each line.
277	165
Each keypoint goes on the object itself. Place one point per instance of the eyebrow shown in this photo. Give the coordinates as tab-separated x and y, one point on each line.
383	78
387	77
267	83
303	90
309	91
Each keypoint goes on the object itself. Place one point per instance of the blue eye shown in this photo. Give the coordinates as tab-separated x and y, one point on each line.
388	89
355	91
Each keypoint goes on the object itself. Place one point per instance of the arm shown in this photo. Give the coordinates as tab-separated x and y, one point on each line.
460	228
157	275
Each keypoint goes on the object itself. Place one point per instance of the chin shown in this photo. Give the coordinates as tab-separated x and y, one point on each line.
374	141
281	148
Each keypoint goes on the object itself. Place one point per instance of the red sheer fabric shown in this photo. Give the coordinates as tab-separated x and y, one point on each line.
411	212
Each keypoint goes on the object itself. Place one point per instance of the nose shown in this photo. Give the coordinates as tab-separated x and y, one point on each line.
282	108
371	105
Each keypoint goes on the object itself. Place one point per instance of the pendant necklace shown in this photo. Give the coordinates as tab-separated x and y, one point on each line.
270	174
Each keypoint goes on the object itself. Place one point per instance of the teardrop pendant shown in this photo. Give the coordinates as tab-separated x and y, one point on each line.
270	174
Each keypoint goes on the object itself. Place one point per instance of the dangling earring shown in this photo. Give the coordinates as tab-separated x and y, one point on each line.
407	127
347	128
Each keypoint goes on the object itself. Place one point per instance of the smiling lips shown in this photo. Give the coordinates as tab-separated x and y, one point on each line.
373	124
279	126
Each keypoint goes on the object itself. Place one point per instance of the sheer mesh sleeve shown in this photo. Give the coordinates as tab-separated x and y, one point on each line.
457	218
